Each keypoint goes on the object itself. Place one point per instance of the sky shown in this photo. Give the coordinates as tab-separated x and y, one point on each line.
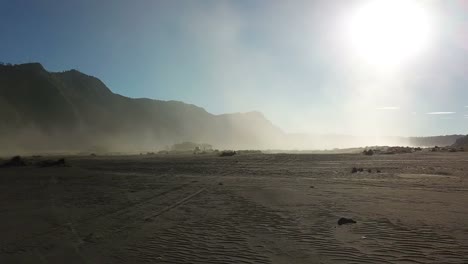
308	66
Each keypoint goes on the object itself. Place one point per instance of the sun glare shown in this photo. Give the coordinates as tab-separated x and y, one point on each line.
388	33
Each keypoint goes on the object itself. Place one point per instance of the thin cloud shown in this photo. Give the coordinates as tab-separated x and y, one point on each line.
388	108
440	113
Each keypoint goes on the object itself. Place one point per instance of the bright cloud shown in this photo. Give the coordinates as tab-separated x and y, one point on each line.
441	113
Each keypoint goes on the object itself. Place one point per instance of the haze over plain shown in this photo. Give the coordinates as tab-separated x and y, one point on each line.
300	63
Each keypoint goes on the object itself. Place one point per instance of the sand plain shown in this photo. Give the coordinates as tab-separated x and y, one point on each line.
263	208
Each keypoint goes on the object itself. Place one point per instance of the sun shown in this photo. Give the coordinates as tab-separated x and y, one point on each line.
389	32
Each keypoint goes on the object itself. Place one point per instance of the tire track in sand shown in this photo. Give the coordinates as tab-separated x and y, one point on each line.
65	227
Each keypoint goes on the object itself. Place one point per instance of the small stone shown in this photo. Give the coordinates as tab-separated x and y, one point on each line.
344	221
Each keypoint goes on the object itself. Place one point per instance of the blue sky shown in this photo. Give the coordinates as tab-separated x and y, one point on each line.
286	59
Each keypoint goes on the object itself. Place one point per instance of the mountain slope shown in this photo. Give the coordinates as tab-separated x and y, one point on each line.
44	111
461	142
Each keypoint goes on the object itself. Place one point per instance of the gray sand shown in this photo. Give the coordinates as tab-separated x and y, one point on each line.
240	209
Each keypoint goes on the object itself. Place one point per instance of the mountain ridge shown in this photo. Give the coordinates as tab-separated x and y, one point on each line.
79	112
42	111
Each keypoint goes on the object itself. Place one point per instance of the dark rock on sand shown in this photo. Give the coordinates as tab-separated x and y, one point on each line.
16	161
227	153
52	163
344	221
354	170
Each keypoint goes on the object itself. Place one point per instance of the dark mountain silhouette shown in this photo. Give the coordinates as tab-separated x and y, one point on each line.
461	142
46	111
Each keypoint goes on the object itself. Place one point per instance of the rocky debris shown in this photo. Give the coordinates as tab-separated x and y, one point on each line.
382	150
52	163
447	149
227	153
16	161
344	221
354	170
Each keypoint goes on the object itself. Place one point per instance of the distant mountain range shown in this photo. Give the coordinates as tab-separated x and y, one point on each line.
307	141
43	111
46	111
